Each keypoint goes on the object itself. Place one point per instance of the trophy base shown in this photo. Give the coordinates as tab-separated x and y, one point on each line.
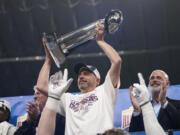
54	49
57	55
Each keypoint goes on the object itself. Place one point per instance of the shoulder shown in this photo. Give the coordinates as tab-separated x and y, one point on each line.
66	95
6	125
175	102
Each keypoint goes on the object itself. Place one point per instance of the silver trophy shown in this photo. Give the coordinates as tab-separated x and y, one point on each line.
60	46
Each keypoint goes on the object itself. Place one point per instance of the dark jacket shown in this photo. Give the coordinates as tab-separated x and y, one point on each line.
169	118
29	128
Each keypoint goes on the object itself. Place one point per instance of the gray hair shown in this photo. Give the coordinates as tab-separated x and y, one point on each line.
165	74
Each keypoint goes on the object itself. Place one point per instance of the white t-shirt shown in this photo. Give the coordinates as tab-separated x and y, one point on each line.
89	113
6	128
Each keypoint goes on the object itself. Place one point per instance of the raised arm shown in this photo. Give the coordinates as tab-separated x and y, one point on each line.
58	84
111	53
47	122
151	124
43	78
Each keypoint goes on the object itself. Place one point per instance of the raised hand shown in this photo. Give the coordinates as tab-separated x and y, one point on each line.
140	91
59	84
100	31
162	95
48	56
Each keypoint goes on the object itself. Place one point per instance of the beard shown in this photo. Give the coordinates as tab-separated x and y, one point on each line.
155	89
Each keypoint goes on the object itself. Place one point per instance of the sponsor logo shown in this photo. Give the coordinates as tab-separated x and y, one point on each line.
21	119
126	117
83	104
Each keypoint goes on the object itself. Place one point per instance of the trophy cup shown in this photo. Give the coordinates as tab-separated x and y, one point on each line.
59	47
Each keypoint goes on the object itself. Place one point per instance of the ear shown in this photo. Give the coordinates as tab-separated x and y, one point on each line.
168	83
97	81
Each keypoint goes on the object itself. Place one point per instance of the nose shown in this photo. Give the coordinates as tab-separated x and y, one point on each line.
154	79
35	97
158	79
81	76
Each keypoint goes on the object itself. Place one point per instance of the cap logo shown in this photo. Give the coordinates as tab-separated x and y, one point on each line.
89	66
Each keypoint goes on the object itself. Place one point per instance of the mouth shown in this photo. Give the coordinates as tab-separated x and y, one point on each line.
155	84
82	81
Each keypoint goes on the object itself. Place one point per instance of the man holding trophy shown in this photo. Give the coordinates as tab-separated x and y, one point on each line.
92	111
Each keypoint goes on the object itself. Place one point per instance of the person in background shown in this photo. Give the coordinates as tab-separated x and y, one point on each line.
141	96
115	131
5	113
166	109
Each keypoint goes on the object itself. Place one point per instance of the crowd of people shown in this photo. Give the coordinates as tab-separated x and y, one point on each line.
55	111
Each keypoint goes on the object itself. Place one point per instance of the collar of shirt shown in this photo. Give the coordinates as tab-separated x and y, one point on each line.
156	106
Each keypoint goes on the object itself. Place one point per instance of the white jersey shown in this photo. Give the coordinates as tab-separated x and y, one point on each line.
6	128
89	113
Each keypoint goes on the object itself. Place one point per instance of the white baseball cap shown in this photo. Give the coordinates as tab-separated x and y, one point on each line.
91	68
5	105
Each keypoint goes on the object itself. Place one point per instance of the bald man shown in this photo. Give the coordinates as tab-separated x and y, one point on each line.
165	109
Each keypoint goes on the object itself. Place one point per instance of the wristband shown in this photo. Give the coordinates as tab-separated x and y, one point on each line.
144	103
